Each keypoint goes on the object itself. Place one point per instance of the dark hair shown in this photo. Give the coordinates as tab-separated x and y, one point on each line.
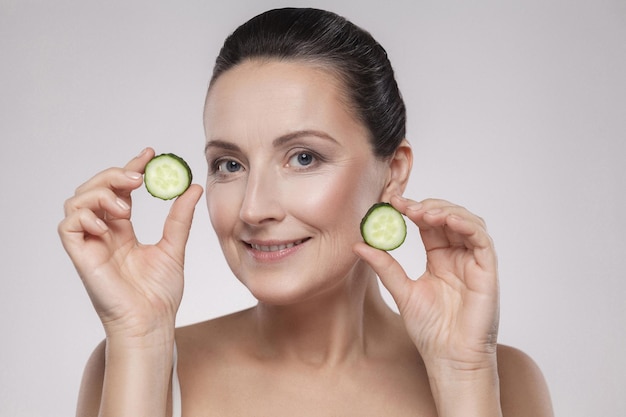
323	37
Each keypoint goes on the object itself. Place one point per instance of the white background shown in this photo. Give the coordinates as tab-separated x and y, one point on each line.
517	110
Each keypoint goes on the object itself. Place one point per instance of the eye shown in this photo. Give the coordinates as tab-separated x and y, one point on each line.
228	165
301	159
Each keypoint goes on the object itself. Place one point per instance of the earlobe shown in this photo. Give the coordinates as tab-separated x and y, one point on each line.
400	165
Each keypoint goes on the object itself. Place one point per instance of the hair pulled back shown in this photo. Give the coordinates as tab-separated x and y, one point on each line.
322	37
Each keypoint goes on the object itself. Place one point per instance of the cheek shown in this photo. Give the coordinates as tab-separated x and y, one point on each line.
337	202
223	208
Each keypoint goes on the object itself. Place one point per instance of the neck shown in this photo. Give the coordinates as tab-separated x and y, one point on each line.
331	329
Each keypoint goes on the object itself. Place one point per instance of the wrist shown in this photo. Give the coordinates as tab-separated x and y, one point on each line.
139	333
157	339
137	375
466	390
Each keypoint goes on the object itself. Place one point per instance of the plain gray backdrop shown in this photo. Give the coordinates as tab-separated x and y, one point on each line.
517	110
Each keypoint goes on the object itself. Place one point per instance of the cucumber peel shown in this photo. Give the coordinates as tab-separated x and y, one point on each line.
167	176
383	227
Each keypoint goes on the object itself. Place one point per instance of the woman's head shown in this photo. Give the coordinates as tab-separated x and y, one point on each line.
327	40
295	98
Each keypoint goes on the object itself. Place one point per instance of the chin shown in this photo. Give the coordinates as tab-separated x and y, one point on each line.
279	293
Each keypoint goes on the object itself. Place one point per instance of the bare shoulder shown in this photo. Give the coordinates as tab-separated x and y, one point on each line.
523	388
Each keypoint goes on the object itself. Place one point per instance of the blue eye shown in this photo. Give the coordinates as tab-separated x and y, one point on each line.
302	159
228	166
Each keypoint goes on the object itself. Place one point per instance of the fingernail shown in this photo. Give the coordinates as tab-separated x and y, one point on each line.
102	225
141	153
132	175
123	205
455	217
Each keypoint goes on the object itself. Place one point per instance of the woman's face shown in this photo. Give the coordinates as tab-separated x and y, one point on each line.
290	174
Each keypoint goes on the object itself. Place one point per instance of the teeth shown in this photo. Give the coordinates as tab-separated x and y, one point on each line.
274	248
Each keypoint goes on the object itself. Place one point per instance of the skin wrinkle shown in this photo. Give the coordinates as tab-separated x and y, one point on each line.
346	183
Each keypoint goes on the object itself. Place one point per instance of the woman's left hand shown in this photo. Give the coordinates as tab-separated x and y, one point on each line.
451	312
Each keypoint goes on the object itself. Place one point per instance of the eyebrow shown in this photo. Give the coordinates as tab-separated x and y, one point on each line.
216	143
279	141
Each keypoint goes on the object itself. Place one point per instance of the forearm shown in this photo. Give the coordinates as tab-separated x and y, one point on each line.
466	393
137	376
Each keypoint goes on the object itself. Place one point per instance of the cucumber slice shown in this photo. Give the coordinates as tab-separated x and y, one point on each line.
167	176
383	227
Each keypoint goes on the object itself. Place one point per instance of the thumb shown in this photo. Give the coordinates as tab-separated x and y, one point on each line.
390	272
178	222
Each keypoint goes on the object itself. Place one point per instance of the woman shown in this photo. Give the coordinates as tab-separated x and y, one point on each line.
305	130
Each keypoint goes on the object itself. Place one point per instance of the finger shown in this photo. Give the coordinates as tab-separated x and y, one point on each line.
391	274
477	239
436	232
100	201
74	228
472	234
455	226
431	216
138	163
415	209
178	222
122	179
117	179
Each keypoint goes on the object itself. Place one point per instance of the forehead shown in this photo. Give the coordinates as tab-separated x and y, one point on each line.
267	71
277	94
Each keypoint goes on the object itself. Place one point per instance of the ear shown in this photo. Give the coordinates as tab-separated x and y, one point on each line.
400	165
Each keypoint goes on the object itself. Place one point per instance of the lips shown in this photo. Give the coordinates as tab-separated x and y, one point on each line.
271	251
275	247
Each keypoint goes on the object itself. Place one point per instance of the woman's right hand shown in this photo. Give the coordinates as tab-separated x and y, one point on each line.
136	289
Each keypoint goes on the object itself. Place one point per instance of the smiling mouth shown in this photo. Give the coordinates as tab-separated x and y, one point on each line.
276	248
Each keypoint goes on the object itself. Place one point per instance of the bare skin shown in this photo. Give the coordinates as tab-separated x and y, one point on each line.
321	340
221	373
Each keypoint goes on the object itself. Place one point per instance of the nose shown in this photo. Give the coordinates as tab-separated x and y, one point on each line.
262	202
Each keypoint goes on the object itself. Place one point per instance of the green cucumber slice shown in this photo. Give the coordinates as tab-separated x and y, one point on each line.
167	176
383	227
